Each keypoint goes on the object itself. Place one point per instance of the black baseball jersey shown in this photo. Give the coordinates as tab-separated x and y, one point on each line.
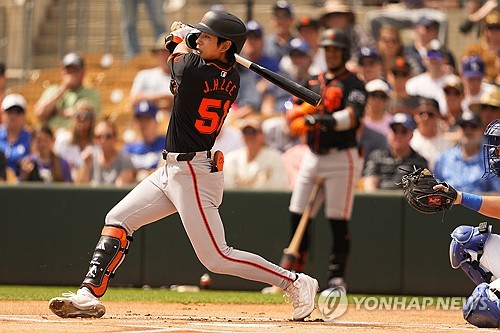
203	94
337	94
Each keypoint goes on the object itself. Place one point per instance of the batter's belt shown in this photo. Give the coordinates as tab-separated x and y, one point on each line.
183	156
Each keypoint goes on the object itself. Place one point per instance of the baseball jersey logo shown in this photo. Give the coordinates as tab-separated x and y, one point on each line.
434	200
333	98
223	73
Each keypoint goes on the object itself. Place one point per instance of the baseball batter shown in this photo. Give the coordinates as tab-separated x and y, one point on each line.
333	154
205	84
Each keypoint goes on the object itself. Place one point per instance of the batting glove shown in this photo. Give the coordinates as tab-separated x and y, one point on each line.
327	121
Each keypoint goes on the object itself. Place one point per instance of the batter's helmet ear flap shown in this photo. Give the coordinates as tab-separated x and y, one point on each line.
225	25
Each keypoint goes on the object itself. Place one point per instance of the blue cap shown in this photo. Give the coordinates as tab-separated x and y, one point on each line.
367	52
473	66
145	108
253	27
427	22
283	5
403	119
298	44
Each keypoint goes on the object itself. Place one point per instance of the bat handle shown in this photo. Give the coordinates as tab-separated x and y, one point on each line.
242	61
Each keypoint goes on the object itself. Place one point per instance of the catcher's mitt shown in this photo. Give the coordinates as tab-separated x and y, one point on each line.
420	194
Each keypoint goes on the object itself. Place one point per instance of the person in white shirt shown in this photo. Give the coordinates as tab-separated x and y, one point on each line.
153	84
430	83
428	140
255	166
376	116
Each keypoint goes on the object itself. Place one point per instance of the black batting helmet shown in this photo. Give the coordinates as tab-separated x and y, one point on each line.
225	25
338	38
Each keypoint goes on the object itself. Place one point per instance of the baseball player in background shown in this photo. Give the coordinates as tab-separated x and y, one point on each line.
205	84
475	249
332	156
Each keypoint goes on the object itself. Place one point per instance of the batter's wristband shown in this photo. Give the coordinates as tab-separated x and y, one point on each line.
472	201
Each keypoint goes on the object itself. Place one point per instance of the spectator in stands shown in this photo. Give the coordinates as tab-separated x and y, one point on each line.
338	14
430	83
426	31
69	145
3	83
309	31
473	73
43	165
369	141
153	84
383	166
56	105
376	116
146	152
400	101
488	46
15	139
488	107
230	138
129	23
297	60
255	166
462	166
370	64
106	165
390	47
428	139
454	95
281	21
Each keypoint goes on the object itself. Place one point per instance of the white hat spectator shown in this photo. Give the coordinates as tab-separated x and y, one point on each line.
13	100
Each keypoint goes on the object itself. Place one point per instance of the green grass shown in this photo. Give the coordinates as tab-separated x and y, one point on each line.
38	293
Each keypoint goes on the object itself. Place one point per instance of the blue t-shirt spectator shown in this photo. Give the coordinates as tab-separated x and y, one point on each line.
16	150
464	175
145	155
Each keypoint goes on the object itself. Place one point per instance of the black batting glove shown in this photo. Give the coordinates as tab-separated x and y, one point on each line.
326	121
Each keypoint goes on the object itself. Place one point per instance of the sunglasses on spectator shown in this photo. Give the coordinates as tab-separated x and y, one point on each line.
452	92
493	27
400	74
84	115
428	114
250	131
469	126
400	130
490	108
378	94
106	136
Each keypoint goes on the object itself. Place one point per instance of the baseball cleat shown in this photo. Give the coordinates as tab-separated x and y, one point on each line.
302	292
82	304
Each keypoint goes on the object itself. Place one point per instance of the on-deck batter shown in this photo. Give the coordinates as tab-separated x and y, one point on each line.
205	85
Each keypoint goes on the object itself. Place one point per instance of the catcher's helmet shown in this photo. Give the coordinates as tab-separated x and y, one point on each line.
225	25
338	38
492	150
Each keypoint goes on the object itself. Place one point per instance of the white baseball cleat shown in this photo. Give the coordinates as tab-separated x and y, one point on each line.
302	292
82	304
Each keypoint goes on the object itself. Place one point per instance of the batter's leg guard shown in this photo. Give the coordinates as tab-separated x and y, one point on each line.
340	252
108	255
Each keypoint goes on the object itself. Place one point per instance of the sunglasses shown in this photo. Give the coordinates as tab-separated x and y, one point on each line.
249	131
428	114
469	126
380	95
400	74
452	92
400	130
106	136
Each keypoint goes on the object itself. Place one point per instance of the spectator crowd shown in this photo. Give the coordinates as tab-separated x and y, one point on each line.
425	105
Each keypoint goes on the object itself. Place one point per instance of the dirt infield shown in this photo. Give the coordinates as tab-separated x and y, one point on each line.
136	317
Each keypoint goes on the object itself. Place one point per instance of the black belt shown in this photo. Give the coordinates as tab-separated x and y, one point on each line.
183	156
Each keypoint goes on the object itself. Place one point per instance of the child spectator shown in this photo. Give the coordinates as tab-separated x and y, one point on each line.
43	165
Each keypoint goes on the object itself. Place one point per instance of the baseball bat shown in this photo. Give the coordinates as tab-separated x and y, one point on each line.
290	86
291	253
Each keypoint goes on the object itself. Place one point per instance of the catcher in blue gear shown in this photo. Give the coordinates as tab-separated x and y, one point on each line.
475	250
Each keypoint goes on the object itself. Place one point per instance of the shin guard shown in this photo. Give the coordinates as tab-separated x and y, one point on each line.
108	255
